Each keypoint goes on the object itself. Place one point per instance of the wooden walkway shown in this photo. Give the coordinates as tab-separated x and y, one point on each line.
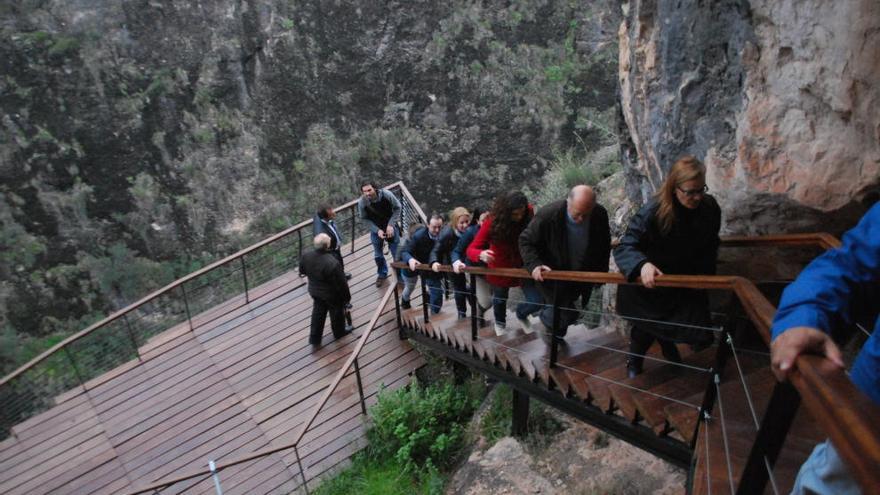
243	380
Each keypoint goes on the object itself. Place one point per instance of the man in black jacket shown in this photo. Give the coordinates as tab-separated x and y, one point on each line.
328	289
324	223
569	234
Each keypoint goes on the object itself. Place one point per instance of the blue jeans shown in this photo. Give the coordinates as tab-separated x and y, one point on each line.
824	472
533	303
378	256
435	290
461	291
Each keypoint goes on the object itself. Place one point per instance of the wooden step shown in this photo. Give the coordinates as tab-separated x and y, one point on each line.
623	396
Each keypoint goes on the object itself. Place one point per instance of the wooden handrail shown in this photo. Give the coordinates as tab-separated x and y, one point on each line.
844	413
818	239
173	285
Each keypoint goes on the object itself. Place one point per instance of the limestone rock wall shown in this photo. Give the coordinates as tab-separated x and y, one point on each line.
778	97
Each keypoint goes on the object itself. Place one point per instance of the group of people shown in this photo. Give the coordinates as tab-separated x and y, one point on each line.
676	232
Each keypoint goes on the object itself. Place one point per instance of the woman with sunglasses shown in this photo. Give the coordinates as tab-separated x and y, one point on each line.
674	233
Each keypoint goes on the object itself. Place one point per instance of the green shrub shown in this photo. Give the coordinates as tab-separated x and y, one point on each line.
421	428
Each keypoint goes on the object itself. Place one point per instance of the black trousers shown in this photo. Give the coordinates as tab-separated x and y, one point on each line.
320	308
338	255
640	342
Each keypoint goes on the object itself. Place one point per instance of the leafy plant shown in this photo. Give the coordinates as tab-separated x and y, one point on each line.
421	428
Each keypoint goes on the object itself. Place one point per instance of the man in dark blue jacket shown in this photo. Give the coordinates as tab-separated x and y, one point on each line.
324	223
417	249
823	299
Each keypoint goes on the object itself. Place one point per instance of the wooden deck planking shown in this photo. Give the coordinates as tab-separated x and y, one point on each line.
190	399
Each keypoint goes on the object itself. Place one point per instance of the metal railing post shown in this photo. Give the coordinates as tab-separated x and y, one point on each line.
79	377
186	307
474	310
424	297
247	298
299	236
400	332
131	336
721	356
215	476
554	342
352	229
301	470
357	374
771	435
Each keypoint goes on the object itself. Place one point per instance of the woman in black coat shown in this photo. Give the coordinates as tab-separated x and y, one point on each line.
675	233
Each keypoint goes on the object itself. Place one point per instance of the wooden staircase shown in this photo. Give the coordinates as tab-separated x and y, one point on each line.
664	400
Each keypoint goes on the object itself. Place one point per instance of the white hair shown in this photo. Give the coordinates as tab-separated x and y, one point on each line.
322	241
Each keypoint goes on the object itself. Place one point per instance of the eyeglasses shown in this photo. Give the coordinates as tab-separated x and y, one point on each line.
694	192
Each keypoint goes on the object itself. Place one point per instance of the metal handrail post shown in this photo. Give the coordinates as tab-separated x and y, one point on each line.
131	336
554	342
400	332
424	298
357	374
301	470
771	435
352	229
721	356
299	237
186	307
244	276
474	310
216	477
79	377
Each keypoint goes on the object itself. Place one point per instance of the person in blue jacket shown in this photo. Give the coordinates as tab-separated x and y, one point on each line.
825	298
460	260
417	249
459	220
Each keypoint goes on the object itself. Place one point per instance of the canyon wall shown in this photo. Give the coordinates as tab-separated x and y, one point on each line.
779	98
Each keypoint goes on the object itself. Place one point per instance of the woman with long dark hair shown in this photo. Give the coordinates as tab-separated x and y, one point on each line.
675	233
497	245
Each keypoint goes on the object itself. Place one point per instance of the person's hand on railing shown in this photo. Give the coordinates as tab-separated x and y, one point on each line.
801	340
457	265
487	256
538	272
435	267
649	272
413	263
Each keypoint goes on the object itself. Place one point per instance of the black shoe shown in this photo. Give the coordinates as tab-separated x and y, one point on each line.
462	315
633	366
348	330
348	306
380	281
347	276
670	352
405	305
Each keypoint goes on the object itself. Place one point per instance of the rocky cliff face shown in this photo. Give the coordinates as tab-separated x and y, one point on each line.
140	137
779	98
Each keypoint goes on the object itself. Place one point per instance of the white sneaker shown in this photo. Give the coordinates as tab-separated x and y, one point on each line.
525	323
537	325
499	329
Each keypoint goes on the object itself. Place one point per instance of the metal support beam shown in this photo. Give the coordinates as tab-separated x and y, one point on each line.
520	425
777	420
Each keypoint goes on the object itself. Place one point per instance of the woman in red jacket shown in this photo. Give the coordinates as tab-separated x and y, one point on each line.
497	245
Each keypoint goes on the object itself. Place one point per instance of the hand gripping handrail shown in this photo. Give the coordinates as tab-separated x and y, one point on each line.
847	415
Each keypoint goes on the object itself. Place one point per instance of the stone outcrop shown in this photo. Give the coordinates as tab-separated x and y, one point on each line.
779	98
